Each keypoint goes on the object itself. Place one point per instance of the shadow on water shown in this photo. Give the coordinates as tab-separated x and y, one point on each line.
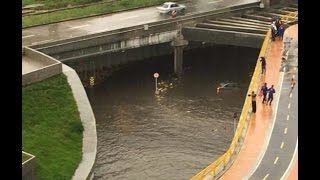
177	133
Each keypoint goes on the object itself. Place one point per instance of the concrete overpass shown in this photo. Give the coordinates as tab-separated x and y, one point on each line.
247	29
243	25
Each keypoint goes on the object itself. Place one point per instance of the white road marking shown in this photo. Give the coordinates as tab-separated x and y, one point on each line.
28	36
266	144
76	27
276	160
39	42
289	105
288	117
285	130
265	177
294	156
281	145
290	95
130	17
214	1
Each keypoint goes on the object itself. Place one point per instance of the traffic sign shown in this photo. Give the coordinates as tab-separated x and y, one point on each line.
156	75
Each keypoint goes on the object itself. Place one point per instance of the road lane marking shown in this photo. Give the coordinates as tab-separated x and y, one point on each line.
130	17
281	145
289	105
290	95
214	1
285	130
288	117
76	27
265	177
293	159
28	36
39	42
266	143
276	160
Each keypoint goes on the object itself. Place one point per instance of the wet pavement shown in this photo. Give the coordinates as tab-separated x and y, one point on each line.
280	150
91	25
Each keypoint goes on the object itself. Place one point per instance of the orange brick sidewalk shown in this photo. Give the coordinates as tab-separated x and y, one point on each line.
260	122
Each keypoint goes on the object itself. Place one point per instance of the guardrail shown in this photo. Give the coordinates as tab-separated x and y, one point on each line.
221	163
293	16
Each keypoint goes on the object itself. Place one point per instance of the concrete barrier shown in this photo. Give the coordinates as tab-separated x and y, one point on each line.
89	141
49	68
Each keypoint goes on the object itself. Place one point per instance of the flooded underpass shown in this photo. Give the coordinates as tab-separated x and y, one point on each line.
179	132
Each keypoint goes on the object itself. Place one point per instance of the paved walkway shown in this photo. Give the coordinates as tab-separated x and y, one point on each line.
260	124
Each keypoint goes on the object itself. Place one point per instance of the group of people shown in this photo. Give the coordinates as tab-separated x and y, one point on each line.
277	29
266	92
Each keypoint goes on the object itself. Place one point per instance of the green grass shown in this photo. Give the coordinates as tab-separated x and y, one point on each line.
51	128
51	4
40	19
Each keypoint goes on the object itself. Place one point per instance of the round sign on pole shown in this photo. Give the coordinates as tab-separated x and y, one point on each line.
156	75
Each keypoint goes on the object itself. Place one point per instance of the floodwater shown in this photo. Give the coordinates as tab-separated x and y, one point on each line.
179	132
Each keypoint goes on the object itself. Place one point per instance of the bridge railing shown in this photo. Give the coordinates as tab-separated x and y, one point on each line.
293	16
223	161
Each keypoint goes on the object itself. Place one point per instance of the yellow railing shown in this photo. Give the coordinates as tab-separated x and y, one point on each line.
293	16
214	168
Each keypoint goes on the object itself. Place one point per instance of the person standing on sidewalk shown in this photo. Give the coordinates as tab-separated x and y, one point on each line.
264	90
253	101
263	65
271	91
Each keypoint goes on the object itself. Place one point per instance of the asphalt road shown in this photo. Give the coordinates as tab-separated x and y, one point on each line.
91	25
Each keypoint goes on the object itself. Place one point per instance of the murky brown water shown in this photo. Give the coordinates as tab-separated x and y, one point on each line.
181	131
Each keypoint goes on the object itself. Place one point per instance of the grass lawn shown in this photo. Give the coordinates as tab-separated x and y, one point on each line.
50	4
33	20
51	128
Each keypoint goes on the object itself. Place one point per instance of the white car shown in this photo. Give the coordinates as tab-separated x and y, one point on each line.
168	7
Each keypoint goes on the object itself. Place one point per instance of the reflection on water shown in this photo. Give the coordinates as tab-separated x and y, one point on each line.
177	133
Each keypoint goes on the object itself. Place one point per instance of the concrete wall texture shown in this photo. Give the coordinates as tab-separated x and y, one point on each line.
89	141
50	67
223	37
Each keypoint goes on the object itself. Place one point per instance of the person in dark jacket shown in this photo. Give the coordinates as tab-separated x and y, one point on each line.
253	101
264	90
271	91
263	65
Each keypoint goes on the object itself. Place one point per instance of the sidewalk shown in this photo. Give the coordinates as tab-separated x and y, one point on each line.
260	123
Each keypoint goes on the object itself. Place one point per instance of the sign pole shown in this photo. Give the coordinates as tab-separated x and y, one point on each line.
156	75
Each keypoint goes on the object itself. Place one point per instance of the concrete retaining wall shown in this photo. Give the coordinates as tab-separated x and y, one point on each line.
223	37
50	67
134	42
89	141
